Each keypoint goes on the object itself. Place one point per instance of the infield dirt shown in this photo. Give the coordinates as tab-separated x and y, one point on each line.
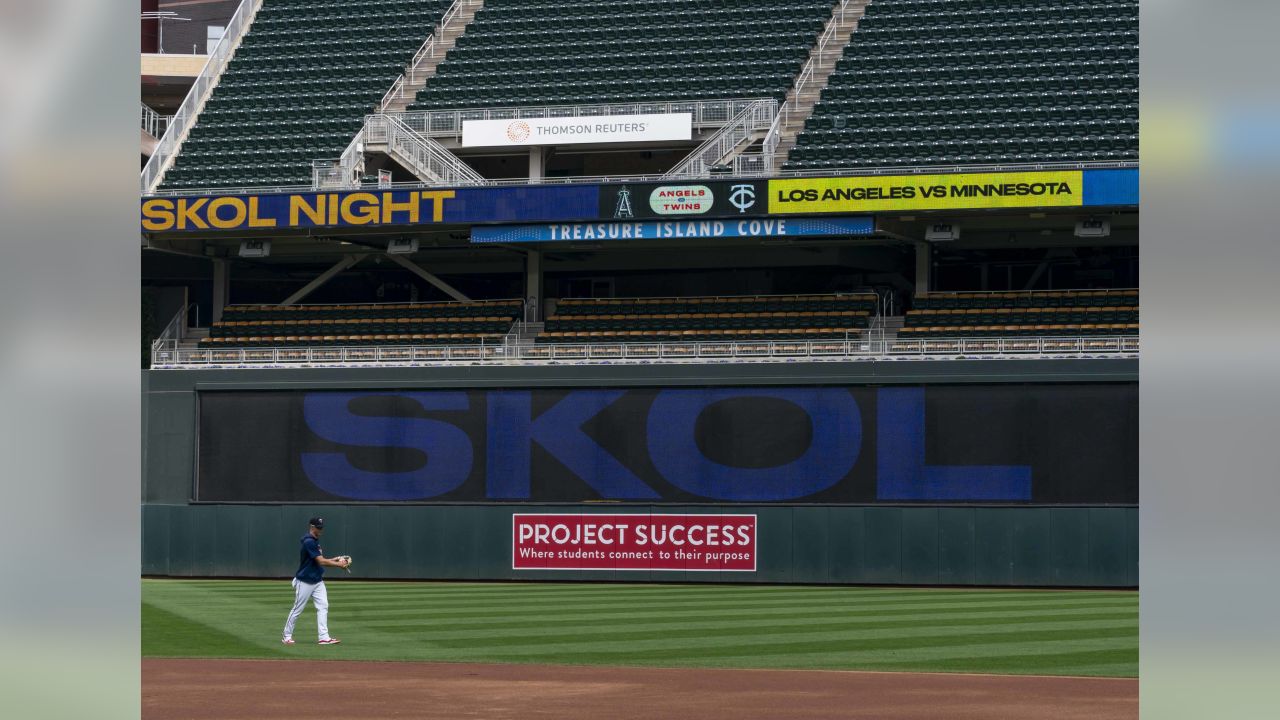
267	689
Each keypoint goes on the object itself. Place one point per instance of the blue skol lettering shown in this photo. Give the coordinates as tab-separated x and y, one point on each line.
512	430
903	475
448	449
836	443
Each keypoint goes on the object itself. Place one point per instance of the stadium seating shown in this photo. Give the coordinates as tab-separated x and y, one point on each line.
709	319
446	323
931	82
1023	314
298	89
537	52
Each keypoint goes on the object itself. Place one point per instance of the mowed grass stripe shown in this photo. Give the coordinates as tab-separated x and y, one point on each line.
677	609
828	627
531	592
716	643
409	604
640	639
622	630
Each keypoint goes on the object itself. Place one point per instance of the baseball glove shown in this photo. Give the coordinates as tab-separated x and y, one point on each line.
340	558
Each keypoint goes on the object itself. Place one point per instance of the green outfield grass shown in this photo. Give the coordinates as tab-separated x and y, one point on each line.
739	626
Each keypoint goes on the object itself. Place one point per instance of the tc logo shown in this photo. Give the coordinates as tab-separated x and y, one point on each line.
518	131
743	197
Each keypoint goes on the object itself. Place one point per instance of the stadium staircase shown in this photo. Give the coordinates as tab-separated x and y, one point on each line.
293	87
426	158
803	96
729	142
424	63
954	82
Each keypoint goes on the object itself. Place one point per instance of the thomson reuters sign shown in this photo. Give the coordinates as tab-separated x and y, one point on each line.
577	130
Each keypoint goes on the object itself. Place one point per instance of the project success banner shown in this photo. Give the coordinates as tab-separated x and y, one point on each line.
691	543
1068	443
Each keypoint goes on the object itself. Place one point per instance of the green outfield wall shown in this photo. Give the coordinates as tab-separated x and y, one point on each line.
934	543
1073	547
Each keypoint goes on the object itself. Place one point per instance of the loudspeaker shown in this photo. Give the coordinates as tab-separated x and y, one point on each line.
255	248
942	232
402	246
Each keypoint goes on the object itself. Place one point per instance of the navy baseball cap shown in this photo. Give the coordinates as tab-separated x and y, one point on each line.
317	522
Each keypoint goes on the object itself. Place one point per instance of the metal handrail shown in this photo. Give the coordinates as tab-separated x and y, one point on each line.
425	154
176	330
185	118
756	116
425	51
153	122
1028	293
781	174
670	298
774	137
835	350
343	172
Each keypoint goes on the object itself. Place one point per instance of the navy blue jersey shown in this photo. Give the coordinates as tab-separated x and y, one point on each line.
309	571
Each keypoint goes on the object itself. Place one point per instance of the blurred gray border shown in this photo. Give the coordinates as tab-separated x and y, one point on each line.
69	358
1210	341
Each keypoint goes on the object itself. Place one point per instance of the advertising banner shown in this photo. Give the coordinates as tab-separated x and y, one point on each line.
690	543
707	198
926	192
691	229
370	208
577	130
685	200
1042	443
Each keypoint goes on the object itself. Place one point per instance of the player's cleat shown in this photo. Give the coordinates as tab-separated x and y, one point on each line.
287	641
330	641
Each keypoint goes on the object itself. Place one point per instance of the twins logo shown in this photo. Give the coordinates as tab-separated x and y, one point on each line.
743	197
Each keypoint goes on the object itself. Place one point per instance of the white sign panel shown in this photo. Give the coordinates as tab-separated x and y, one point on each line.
575	130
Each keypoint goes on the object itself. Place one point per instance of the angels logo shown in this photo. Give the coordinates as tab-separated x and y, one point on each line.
743	197
518	131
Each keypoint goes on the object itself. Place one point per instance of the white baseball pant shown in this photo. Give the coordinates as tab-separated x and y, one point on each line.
302	592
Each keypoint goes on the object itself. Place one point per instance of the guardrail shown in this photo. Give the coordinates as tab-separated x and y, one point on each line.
185	118
428	51
820	52
153	122
940	349
712	153
171	337
424	155
343	172
597	179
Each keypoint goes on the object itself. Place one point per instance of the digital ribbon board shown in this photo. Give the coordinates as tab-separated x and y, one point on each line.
672	202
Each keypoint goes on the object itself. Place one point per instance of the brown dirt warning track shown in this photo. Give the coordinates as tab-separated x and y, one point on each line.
269	689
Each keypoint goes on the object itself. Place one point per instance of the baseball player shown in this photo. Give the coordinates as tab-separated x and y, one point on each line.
308	583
